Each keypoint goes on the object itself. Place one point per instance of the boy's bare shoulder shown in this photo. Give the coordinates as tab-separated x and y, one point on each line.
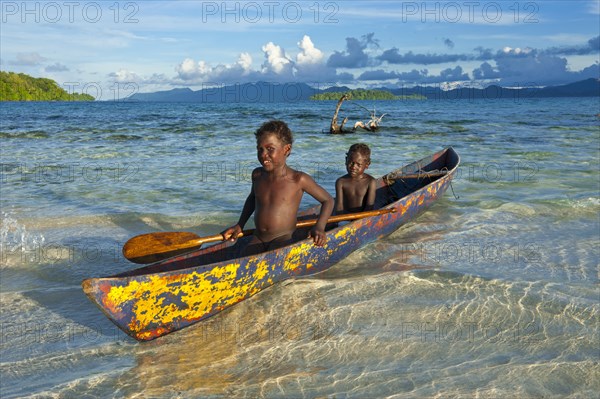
342	178
256	173
299	176
371	181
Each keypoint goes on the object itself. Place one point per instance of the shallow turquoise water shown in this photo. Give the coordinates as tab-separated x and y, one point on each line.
492	293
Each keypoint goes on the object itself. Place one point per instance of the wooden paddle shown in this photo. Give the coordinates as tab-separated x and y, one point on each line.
152	247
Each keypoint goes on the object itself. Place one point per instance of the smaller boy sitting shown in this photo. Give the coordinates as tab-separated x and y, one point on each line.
355	191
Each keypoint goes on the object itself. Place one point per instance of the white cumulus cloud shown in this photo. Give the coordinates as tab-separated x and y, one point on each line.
190	69
125	76
276	59
245	62
308	65
309	54
199	72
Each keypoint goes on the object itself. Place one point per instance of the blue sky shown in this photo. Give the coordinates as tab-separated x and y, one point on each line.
113	48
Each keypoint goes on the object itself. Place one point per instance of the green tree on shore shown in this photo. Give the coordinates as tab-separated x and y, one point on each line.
22	87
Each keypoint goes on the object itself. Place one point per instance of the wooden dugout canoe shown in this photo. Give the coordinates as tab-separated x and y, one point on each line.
169	295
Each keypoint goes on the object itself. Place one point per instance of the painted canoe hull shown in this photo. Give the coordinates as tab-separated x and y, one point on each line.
167	296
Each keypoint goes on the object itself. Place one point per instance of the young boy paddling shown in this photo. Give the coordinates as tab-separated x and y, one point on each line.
276	193
355	191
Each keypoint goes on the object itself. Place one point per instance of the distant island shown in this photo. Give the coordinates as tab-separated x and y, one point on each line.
363	94
22	87
266	92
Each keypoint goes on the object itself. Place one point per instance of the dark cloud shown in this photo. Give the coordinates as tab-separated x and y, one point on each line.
484	54
533	69
378	74
28	59
393	56
369	40
591	47
593	71
485	72
448	43
453	74
57	67
354	56
506	66
416	76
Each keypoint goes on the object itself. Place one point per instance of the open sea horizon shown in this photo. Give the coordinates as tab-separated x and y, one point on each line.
491	293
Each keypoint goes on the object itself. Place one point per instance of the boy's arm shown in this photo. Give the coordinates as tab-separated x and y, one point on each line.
248	209
321	195
371	193
232	232
339	196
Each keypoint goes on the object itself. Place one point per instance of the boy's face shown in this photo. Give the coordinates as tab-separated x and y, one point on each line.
356	163
271	151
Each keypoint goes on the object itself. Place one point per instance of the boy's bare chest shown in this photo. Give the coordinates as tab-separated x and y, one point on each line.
357	187
277	190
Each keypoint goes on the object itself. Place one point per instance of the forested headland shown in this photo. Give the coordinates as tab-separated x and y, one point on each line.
22	87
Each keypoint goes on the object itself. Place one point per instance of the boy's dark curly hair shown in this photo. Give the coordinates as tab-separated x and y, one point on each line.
278	128
362	149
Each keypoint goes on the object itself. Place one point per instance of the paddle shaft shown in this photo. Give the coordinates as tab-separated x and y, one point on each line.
303	223
312	222
148	248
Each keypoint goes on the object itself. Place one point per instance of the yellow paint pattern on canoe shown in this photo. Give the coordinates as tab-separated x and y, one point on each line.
409	204
293	260
196	294
433	189
344	234
262	269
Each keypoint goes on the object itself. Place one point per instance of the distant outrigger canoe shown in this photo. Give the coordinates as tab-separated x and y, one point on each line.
166	296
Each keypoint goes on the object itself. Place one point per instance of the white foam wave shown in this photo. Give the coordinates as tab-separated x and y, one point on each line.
585	203
16	241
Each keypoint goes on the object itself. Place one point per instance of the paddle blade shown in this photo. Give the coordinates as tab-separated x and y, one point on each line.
152	247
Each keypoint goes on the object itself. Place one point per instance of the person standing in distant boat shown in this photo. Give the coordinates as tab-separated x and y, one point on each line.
355	191
276	193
